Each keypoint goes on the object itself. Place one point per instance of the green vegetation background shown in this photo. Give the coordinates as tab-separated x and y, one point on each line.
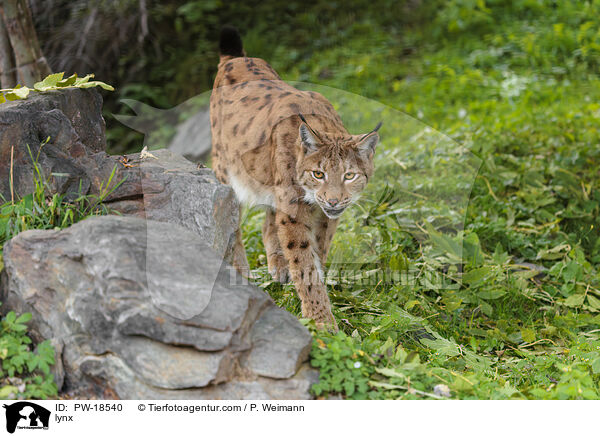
516	82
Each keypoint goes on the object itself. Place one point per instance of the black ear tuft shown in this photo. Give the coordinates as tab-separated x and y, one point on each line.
230	42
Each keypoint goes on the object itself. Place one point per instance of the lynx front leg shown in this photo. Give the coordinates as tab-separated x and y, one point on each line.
325	229
302	253
278	265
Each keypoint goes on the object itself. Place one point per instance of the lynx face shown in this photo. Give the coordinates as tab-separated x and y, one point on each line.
334	170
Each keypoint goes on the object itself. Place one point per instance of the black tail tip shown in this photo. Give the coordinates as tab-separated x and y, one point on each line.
230	42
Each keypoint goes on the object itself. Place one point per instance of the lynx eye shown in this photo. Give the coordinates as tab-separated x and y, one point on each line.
349	176
319	175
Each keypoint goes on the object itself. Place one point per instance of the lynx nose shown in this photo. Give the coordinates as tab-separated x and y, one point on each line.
333	202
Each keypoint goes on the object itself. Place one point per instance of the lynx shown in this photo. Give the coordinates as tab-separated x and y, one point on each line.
287	150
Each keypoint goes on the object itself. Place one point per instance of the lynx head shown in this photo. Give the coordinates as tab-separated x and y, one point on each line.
332	169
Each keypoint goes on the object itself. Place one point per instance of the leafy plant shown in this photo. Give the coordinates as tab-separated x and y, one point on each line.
25	373
342	367
52	82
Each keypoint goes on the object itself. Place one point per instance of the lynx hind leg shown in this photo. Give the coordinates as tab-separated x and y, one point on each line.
218	163
277	263
240	261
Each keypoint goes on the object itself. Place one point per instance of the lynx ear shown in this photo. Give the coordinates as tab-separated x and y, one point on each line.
309	142
367	143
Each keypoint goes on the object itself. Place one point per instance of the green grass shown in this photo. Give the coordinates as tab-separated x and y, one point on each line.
511	225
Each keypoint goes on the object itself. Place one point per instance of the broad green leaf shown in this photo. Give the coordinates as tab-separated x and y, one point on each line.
442	346
97	83
22	92
44	367
81	80
386	385
52	82
487	308
472	248
391	373
528	335
32	363
26	317
67	82
11	96
28	202
572	271
476	275
508	390
445	243
527	274
575	300
412	303
49	82
553	253
491	294
11	316
452	302
400	354
593	302
349	387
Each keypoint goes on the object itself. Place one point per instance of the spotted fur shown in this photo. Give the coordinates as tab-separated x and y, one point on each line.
263	149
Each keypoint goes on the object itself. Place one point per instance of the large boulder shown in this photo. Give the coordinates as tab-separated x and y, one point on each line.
164	186
69	120
146	309
64	132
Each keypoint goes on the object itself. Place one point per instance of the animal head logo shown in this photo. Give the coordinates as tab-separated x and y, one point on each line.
24	414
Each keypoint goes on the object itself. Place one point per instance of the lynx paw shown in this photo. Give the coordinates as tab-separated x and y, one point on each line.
324	320
331	327
278	268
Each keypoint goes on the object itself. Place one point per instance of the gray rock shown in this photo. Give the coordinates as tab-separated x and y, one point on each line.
71	119
145	309
179	192
142	322
119	376
169	188
279	345
158	365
